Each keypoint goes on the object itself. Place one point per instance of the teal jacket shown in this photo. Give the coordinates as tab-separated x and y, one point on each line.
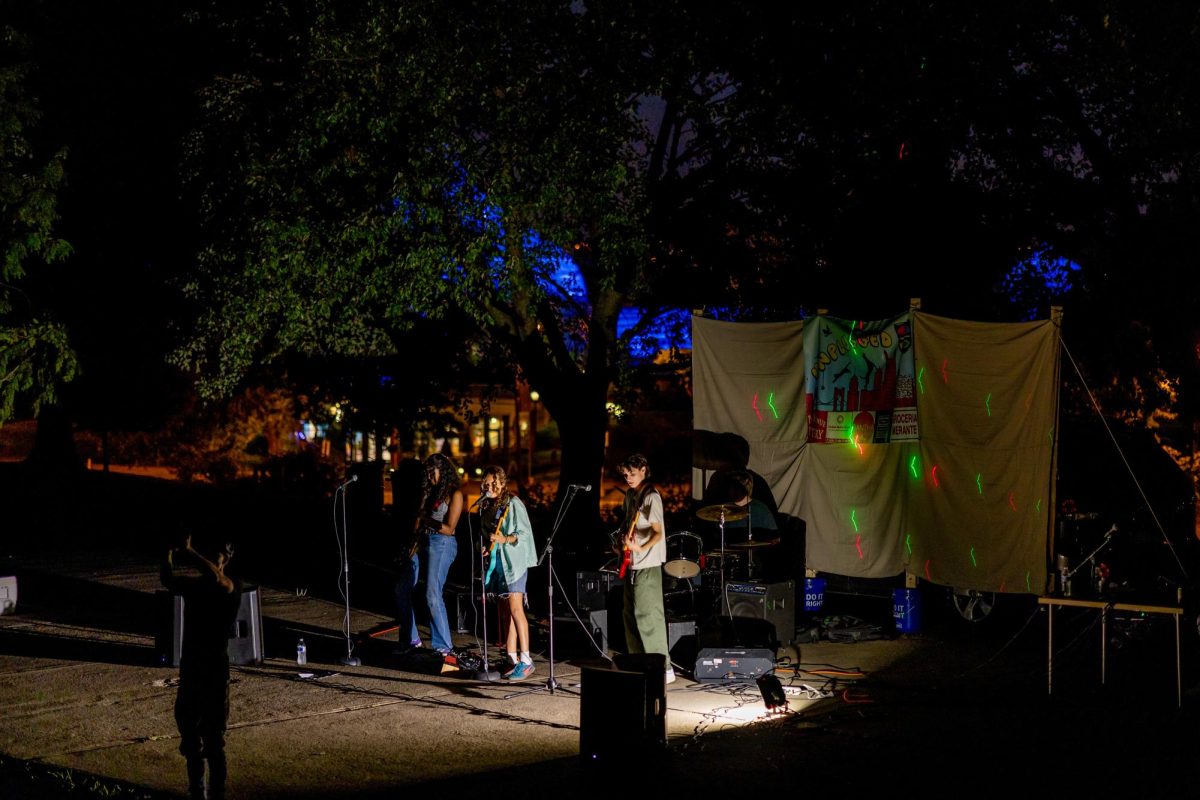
515	559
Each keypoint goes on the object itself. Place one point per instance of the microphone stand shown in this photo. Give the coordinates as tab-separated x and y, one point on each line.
548	554
349	660
487	673
1089	558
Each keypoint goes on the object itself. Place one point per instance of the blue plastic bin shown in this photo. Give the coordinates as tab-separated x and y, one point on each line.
906	610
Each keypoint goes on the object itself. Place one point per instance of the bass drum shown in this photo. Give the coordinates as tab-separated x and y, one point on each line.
684	553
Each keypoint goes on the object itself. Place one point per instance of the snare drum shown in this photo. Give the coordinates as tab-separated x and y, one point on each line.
684	550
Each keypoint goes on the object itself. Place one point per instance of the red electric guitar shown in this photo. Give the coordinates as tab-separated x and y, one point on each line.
639	498
625	545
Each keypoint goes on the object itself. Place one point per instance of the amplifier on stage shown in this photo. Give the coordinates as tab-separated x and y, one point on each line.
591	589
732	663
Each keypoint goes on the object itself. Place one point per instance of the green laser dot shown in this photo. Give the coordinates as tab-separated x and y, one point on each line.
979	481
771	404
987	402
973	562
908	543
920	380
912	466
853	521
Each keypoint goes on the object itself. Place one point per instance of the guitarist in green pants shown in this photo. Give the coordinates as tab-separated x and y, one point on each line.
646	543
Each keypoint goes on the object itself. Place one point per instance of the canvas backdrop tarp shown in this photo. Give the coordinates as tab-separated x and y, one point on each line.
966	504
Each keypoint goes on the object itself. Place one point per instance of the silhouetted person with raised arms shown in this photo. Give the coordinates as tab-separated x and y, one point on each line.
210	607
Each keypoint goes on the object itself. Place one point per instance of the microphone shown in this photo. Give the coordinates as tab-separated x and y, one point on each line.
1111	531
478	500
587	487
353	478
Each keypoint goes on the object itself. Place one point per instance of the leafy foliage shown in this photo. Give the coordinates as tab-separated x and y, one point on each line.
34	352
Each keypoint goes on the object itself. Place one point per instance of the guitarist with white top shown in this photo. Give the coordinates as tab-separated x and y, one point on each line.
646	541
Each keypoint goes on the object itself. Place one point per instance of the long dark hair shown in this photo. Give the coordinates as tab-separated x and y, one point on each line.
434	494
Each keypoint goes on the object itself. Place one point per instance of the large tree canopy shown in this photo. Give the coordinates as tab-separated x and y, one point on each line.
374	165
364	166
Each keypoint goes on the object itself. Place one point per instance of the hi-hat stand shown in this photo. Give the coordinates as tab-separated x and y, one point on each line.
551	683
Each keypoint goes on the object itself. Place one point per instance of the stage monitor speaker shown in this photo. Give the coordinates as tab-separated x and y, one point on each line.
598	621
623	710
773	602
8	594
732	663
246	638
245	635
589	639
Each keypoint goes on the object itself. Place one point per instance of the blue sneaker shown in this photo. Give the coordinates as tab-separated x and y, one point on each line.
520	672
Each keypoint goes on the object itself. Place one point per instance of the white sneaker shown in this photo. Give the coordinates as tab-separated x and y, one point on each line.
670	675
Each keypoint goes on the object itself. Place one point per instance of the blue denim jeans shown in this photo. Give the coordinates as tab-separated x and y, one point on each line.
440	553
405	618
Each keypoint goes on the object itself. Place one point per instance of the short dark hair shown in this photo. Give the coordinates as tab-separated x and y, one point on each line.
635	461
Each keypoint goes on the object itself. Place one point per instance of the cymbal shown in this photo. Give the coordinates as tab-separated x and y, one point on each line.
730	511
754	543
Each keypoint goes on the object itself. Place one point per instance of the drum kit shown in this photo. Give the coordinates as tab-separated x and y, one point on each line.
688	560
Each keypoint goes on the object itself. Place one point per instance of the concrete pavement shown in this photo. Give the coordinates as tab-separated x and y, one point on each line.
82	689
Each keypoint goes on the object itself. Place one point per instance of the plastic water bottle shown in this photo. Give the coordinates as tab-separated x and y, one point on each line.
301	653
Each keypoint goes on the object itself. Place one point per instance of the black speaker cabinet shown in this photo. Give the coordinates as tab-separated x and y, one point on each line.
592	588
773	602
623	710
245	637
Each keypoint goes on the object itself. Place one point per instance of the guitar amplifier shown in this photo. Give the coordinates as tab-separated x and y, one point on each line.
773	602
729	663
592	588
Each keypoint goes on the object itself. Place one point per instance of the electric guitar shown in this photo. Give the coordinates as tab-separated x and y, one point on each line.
625	545
639	498
492	557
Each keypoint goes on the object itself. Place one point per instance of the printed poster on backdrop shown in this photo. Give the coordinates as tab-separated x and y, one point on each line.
861	380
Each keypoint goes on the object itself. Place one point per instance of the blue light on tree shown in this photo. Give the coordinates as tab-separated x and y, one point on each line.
1038	281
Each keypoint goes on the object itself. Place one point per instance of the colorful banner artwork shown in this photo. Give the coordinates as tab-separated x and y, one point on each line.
860	387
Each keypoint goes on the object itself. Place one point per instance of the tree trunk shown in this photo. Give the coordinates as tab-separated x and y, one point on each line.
579	408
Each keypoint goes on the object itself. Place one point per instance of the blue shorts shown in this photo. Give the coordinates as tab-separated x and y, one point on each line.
501	588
